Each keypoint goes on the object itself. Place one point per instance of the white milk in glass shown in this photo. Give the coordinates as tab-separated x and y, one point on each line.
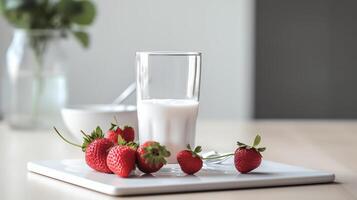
172	122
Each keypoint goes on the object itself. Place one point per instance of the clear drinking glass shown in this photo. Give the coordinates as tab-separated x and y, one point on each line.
168	87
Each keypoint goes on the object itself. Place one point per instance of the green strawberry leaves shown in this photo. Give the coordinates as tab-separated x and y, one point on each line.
242	145
256	142
123	142
133	145
196	151
113	127
155	154
261	149
97	133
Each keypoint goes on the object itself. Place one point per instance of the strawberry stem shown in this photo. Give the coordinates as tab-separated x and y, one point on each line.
64	139
85	135
216	157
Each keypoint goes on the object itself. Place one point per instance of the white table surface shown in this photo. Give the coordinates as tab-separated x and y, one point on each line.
324	145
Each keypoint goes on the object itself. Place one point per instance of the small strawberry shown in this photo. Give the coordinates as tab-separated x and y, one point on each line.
128	134
96	149
113	132
247	158
189	161
121	159
151	156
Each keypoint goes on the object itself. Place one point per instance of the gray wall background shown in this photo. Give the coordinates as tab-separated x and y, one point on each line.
306	59
221	29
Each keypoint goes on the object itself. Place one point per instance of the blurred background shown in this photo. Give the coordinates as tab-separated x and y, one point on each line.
261	59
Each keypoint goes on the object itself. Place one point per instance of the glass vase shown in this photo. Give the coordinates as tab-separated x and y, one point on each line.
36	89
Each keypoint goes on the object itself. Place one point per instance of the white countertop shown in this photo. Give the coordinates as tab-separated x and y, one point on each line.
325	145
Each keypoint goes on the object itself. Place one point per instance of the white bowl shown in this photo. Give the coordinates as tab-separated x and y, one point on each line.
88	117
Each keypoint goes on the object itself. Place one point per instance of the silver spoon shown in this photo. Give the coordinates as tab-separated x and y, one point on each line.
125	94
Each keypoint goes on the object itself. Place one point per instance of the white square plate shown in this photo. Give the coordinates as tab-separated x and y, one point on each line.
170	178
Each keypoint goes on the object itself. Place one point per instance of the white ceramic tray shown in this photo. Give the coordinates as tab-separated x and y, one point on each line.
170	178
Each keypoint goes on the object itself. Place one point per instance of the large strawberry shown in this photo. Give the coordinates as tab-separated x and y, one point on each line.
151	156
121	159
96	149
247	158
189	160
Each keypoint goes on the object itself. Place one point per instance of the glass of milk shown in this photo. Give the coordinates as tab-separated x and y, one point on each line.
168	87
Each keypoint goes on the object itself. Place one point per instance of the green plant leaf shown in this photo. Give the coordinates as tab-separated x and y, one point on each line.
66	15
19	20
86	15
67	8
16	4
2	6
256	140
82	37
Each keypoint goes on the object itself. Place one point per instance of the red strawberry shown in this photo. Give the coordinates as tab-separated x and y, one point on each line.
96	149
96	154
247	158
121	160
113	132
128	134
189	161
151	156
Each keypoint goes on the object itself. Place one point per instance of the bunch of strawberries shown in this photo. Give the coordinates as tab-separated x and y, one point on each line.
116	152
